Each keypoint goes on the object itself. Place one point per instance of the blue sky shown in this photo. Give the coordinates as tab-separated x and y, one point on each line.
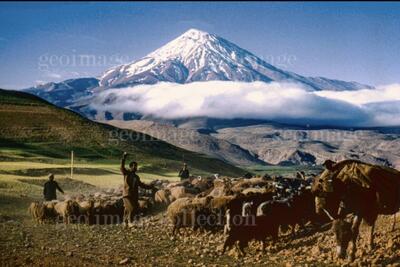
348	41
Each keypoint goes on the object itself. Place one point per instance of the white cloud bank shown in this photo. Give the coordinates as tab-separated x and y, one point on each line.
365	96
258	100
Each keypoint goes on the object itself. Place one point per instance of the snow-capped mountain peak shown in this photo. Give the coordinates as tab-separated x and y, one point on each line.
200	56
184	45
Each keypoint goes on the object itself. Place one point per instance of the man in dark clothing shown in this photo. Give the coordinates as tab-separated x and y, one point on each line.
184	172
131	190
50	189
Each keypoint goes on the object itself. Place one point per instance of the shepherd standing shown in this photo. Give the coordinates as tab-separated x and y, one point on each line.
131	190
184	172
50	189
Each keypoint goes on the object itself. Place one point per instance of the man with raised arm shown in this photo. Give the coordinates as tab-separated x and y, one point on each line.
131	190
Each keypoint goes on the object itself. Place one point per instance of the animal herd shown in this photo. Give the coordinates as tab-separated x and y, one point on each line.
246	209
261	209
98	208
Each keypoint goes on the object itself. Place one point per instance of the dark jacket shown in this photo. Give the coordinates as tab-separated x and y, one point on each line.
184	174
49	190
132	183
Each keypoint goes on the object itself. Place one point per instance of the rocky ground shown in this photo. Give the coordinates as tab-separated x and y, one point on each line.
22	243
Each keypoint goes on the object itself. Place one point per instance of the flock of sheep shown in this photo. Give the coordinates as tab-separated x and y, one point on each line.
244	208
98	208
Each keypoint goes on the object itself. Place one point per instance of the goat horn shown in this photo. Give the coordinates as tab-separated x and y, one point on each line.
328	214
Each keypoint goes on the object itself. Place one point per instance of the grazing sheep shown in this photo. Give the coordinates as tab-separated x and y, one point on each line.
50	211
186	212
249	183
220	203
180	192
254	190
175	184
145	204
205	193
222	187
37	211
202	184
204	201
86	209
163	197
178	214
109	211
65	209
42	211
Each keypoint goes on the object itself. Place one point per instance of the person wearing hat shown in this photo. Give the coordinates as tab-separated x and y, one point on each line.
184	172
131	190
50	189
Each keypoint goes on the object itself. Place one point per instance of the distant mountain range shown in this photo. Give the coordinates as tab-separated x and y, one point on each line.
198	56
194	56
244	142
65	93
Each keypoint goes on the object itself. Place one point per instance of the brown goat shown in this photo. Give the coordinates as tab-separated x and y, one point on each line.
243	229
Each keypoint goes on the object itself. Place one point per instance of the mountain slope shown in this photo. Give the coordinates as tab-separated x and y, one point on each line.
29	122
65	93
192	140
200	56
286	145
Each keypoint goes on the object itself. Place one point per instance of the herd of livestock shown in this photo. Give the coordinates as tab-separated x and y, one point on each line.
246	209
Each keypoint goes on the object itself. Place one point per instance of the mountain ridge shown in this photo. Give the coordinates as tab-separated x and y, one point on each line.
200	56
66	92
192	140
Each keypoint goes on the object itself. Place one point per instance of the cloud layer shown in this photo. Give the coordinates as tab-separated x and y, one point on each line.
282	102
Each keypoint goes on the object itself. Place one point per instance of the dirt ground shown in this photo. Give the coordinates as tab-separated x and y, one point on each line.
22	243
